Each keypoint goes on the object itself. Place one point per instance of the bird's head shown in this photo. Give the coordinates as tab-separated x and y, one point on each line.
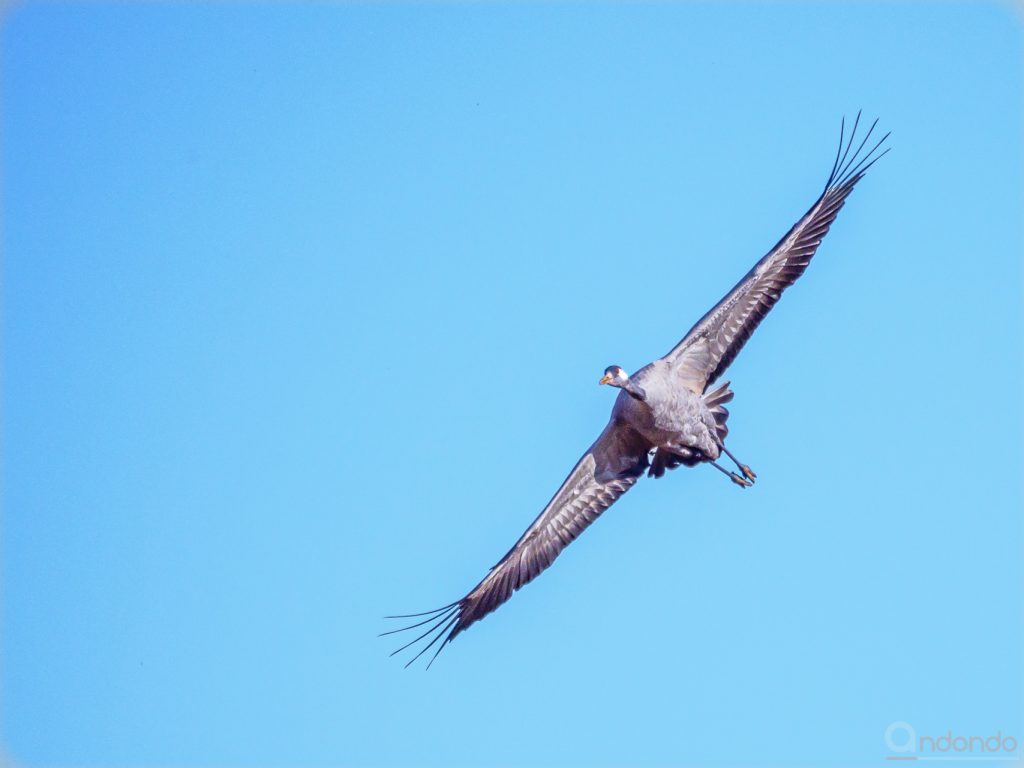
616	377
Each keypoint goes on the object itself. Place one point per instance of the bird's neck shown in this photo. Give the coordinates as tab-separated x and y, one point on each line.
637	393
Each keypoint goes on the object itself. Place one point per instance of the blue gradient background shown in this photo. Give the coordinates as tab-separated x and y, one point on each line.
303	313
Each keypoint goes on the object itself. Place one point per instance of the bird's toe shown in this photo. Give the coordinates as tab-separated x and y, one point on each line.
740	481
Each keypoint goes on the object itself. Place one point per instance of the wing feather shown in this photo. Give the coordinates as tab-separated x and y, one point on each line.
609	468
713	343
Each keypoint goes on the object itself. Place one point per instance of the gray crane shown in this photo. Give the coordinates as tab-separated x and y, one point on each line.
667	414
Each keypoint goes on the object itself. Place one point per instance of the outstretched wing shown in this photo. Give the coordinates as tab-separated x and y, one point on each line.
713	343
607	470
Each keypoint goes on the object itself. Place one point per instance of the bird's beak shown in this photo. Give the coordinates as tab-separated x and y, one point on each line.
605	379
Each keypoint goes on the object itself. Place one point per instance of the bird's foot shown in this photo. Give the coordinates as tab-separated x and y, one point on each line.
740	481
748	473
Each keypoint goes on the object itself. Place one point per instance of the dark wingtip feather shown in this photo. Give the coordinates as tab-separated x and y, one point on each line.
848	169
443	624
425	613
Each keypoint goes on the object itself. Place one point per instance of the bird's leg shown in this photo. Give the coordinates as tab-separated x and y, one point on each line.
740	481
747	471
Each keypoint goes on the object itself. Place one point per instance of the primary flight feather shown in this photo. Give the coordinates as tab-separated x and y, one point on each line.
667	414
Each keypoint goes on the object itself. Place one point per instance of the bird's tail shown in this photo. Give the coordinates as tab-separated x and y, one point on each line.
715	401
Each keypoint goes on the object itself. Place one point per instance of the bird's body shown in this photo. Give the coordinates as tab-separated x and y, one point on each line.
671	417
667	414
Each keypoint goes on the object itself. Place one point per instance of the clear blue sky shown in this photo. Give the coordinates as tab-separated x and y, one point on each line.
304	309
